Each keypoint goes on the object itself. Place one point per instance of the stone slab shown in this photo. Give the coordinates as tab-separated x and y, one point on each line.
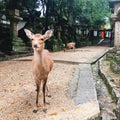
86	91
71	93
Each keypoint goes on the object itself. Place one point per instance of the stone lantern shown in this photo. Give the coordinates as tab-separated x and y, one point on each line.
14	19
115	20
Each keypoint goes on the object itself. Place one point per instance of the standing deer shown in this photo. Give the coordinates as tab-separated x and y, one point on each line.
42	62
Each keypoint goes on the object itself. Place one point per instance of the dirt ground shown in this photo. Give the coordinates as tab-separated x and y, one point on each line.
17	91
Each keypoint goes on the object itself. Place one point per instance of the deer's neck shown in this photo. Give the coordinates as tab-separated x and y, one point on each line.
38	57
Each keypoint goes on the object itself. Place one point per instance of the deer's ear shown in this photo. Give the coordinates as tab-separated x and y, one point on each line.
29	34
48	34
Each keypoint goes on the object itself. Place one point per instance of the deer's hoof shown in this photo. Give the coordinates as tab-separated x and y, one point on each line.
49	96
48	103
44	110
35	111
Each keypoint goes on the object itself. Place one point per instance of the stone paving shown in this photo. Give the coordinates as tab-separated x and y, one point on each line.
82	86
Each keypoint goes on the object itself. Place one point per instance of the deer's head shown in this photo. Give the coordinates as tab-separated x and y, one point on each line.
38	39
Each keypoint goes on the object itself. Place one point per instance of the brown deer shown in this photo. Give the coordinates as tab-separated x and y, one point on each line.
42	62
70	45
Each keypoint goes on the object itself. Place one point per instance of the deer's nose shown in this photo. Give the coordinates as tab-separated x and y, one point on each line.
35	45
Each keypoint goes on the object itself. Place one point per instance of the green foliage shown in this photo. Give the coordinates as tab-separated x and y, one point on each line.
2	5
85	12
91	12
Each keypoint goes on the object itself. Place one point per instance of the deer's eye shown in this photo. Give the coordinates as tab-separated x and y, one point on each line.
42	39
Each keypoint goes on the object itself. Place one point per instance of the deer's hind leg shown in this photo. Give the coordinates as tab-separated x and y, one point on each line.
47	92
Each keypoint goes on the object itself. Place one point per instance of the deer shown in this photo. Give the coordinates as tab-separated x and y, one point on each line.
70	45
42	63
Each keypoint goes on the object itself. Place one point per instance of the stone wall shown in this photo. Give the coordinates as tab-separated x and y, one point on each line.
114	57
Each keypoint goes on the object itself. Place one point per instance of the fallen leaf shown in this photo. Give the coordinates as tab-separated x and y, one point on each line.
53	113
11	102
9	112
1	108
17	118
12	90
63	110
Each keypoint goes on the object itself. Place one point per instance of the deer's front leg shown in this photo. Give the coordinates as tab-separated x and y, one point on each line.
36	107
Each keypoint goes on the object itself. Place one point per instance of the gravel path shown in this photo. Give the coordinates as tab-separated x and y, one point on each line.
17	87
17	91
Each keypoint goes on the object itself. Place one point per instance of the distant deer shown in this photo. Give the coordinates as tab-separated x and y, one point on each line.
42	62
70	45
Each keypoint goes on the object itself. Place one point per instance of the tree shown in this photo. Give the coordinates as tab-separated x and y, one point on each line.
62	15
91	12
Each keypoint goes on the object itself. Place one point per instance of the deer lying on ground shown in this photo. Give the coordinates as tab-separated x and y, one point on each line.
42	62
70	45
